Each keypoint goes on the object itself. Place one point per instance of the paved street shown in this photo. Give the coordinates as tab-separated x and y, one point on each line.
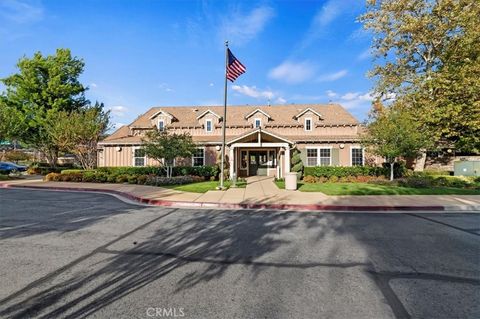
82	255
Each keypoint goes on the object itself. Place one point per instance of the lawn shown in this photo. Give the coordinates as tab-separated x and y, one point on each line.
373	189
203	187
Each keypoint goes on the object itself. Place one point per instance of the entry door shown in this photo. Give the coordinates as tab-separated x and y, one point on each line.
258	162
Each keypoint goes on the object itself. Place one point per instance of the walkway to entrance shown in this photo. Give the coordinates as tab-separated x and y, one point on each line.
261	186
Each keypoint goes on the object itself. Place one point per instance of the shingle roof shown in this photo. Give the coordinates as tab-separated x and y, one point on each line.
282	115
333	114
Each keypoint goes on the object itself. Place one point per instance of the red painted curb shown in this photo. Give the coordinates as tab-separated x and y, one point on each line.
168	203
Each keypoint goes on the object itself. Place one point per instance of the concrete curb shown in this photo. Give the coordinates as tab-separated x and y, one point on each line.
298	207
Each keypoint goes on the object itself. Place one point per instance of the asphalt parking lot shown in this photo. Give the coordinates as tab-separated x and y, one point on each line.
77	255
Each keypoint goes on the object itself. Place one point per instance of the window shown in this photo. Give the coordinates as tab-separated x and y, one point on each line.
312	155
161	125
356	156
319	157
208	126
308	124
198	158
138	157
325	157
258	123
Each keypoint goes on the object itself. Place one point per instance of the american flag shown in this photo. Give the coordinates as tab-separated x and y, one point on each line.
234	68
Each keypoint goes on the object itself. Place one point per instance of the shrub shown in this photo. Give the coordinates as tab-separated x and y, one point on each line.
141	179
177	180
123	178
399	169
132	179
68	171
3	172
53	177
309	179
333	179
339	171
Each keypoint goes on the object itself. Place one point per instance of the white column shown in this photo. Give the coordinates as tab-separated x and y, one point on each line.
287	159
232	161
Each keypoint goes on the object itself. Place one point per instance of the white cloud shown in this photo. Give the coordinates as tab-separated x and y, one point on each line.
331	94
241	28
21	12
327	13
211	84
93	85
364	55
332	76
253	92
292	72
118	110
165	87
354	100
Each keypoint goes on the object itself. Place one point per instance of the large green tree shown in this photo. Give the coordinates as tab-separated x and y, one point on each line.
44	85
427	57
165	147
78	132
393	133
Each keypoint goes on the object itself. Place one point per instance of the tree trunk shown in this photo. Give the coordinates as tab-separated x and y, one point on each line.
391	170
420	162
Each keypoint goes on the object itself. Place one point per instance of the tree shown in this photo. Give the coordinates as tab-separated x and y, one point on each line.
78	132
44	85
11	122
297	164
164	147
393	133
427	55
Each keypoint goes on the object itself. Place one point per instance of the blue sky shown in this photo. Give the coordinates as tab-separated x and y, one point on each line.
141	53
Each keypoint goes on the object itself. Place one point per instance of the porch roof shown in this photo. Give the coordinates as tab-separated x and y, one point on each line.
260	131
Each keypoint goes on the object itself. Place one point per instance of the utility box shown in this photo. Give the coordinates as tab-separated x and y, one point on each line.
466	168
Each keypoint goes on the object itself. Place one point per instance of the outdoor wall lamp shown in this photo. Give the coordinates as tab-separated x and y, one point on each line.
342	146
218	147
119	149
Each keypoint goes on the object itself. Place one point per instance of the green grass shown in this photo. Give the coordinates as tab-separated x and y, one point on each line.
373	189
4	177
203	187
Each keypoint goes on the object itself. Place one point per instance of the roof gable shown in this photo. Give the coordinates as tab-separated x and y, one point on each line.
308	109
206	112
256	111
161	112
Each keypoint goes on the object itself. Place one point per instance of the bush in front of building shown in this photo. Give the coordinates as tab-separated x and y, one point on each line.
340	171
207	171
343	179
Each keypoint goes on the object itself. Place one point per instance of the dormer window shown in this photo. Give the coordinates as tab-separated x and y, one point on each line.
161	125
257	122
308	124
208	126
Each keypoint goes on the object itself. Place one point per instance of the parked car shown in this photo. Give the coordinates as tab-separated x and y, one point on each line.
10	167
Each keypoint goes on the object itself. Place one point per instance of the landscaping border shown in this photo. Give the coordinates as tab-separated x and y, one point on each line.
189	204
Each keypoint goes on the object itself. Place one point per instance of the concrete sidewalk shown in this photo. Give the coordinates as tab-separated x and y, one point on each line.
261	192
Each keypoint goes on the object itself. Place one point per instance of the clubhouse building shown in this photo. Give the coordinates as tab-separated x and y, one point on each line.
259	139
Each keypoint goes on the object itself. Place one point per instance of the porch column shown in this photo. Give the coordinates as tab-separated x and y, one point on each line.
287	159
232	161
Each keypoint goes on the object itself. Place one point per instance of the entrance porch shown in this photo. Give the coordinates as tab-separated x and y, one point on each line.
259	153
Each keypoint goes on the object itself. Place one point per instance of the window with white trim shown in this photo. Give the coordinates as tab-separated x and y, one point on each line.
312	156
319	156
139	157
198	158
257	122
161	125
356	156
308	124
325	157
208	126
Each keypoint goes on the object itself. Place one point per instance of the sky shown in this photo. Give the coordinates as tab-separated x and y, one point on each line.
144	53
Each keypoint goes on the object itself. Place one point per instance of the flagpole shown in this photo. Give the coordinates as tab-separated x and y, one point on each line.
224	120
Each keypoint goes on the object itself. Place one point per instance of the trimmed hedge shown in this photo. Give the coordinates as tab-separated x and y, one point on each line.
103	177
340	171
399	170
203	171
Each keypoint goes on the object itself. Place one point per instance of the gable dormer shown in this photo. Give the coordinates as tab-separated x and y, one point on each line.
209	119
258	118
161	119
308	117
